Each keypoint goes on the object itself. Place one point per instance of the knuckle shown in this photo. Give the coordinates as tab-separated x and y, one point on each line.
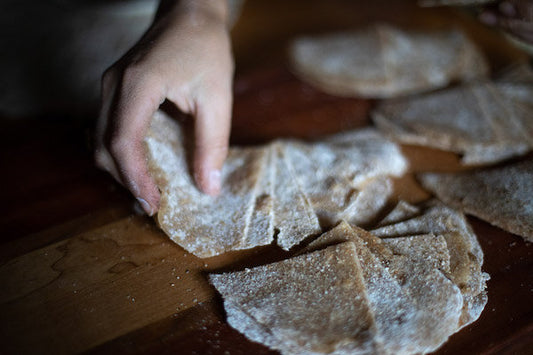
218	145
138	80
132	72
139	73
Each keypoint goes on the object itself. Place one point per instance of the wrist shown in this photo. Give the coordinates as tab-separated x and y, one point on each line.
212	10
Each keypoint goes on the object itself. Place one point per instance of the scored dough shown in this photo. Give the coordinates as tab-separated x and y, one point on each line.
310	304
465	254
190	217
382	61
410	289
416	307
485	121
289	187
502	196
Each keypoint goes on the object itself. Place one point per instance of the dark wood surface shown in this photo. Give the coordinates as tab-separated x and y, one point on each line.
81	270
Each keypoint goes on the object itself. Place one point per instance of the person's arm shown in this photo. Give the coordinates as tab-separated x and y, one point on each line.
185	57
514	16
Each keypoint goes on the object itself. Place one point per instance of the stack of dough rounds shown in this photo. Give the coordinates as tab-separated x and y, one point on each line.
402	288
288	186
382	62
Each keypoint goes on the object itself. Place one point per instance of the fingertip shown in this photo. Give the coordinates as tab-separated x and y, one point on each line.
209	181
147	194
146	206
149	202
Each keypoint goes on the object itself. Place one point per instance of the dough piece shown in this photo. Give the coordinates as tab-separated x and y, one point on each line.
466	256
310	304
382	61
502	196
205	225
369	154
429	249
402	211
305	305
281	186
293	213
346	177
486	122
416	307
372	199
322	179
261	228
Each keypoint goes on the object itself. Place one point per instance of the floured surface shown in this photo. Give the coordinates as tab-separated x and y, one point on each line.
486	122
311	304
382	61
202	224
347	176
416	308
425	248
502	196
293	213
261	228
465	254
410	299
292	187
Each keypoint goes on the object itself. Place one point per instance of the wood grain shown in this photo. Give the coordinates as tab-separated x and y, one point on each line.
102	283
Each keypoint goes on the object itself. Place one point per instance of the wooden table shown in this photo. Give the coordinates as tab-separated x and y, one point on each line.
81	270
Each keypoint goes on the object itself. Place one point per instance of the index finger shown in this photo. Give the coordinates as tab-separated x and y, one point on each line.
212	130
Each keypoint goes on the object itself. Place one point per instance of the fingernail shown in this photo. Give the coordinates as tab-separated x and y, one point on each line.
507	9
146	206
488	18
214	182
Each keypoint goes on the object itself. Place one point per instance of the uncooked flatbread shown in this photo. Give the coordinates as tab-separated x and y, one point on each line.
261	227
191	218
415	306
293	213
284	186
425	248
485	121
502	196
402	211
465	254
382	61
349	292
347	176
311	304
369	153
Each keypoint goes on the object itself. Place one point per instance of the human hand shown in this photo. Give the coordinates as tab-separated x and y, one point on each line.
185	57
514	16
